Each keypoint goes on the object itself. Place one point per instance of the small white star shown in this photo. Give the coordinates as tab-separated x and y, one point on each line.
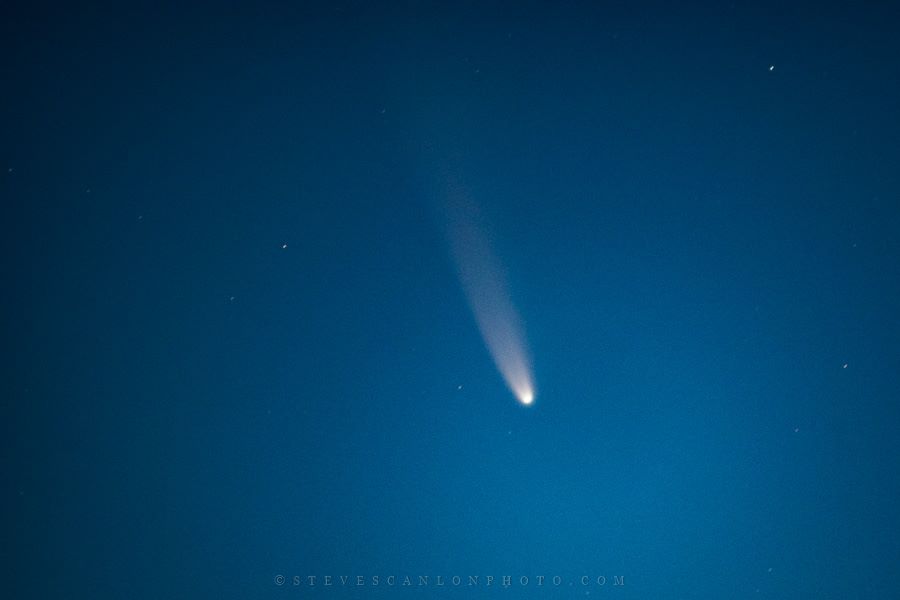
771	67
284	246
845	365
459	387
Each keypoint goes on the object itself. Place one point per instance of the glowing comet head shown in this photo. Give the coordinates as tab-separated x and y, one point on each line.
526	397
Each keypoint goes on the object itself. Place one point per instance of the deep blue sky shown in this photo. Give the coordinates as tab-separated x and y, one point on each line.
704	251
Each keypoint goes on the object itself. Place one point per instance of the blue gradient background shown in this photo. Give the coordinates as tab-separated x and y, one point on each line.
697	245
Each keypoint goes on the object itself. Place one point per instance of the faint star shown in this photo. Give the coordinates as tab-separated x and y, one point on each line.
771	67
845	365
796	430
459	387
284	246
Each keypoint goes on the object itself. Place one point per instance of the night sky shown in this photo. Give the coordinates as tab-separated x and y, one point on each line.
240	346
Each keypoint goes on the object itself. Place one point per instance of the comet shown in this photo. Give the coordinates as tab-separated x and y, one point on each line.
486	289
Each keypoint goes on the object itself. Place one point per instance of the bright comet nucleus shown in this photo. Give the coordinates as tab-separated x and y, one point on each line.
527	397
